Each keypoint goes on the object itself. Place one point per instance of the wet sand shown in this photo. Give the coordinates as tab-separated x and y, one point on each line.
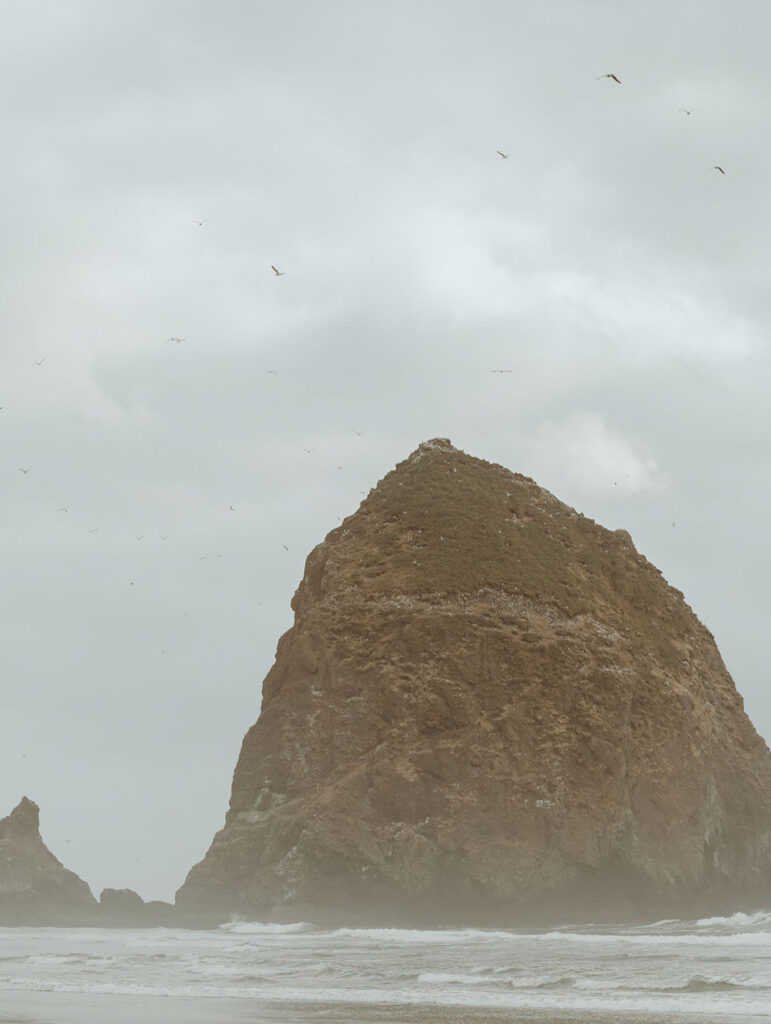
77	1008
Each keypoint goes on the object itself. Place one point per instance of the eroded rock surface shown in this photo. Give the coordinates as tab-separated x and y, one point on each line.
35	888
489	708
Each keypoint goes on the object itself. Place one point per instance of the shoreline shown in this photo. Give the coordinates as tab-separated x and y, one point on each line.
96	1008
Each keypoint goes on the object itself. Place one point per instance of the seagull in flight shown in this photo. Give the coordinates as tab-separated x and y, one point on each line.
232	508
716	168
504	155
500	371
273	372
178	340
95	530
614	77
357	433
39	362
284	547
24	471
278	273
201	223
687	113
62	509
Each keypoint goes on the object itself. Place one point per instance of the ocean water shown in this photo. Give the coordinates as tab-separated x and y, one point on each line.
712	969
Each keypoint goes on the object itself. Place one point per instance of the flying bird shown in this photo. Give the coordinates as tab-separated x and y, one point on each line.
284	547
24	471
273	372
95	530
39	362
232	508
309	451
504	155
62	509
688	113
615	79
278	273
178	340
201	223
500	371
357	433
716	168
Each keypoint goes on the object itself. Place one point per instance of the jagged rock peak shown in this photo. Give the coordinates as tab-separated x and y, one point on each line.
25	817
489	707
35	889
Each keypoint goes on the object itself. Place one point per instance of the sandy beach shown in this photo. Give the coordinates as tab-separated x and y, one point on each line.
77	1008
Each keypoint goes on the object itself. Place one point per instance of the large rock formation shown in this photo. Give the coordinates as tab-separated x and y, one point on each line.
35	889
489	708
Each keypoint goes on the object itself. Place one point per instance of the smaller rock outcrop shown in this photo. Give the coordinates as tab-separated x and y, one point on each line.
124	908
35	888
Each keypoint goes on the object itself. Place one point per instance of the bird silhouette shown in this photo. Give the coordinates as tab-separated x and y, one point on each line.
716	168
232	508
201	223
278	273
358	433
284	547
24	471
614	77
39	362
273	372
504	155
62	509
688	113
178	340
500	371
95	530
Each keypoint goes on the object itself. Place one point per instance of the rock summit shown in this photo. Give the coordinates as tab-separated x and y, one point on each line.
489	708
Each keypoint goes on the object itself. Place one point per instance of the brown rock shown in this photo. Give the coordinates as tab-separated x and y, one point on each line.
124	908
489	708
35	889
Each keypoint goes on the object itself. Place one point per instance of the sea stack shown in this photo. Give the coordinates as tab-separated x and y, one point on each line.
489	709
35	888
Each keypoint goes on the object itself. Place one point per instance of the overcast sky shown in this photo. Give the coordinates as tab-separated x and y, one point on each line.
620	278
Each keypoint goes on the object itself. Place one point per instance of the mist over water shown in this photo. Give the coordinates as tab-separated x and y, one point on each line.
694	970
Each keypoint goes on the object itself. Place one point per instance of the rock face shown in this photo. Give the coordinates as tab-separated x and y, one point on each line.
35	889
489	708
